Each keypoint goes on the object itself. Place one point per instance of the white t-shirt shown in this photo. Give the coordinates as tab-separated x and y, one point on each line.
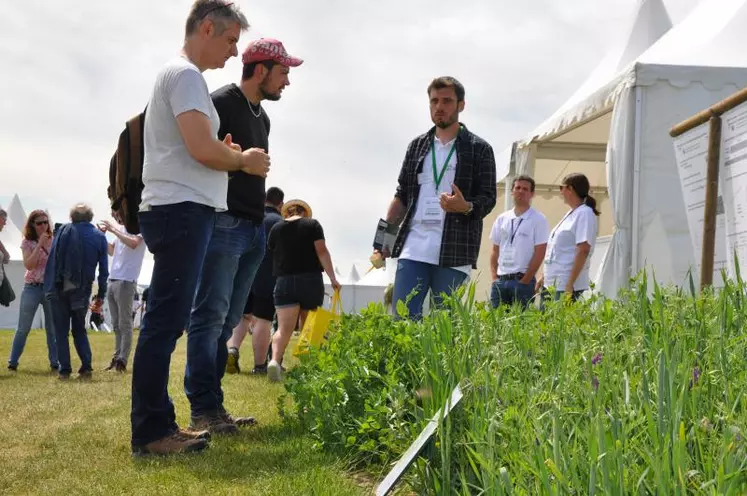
126	263
170	174
423	243
577	226
517	237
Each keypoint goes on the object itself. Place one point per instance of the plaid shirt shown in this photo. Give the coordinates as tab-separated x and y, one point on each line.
474	176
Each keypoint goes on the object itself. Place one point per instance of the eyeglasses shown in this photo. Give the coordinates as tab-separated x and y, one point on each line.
214	8
41	223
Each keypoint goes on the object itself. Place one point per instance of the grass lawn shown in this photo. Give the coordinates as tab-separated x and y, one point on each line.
74	437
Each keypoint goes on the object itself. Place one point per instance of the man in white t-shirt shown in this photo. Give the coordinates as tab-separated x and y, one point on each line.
128	251
185	181
446	187
519	239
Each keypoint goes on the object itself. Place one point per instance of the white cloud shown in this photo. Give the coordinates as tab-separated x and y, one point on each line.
74	72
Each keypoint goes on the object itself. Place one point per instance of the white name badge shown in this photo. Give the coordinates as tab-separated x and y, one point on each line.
432	214
508	256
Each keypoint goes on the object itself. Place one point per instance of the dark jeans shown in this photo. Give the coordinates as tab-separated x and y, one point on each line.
178	236
235	251
69	309
508	292
422	276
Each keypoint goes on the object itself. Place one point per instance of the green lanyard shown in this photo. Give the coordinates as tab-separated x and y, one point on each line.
437	178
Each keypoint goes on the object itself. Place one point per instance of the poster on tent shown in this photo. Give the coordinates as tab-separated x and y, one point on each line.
691	153
733	174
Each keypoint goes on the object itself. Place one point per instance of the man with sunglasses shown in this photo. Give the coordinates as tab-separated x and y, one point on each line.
519	239
185	181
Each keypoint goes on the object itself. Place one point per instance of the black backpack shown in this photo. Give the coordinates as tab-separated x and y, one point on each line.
126	173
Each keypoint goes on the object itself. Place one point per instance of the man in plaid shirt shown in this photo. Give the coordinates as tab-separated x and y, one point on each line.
447	185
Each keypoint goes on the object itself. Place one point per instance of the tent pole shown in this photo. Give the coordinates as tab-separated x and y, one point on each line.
635	252
711	200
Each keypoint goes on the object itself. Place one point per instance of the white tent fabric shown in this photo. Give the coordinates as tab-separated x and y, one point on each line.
11	238
694	65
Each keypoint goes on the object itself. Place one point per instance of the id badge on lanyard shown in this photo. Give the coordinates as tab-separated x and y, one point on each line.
433	214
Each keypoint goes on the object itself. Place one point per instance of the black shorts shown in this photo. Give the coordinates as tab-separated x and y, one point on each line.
261	306
305	290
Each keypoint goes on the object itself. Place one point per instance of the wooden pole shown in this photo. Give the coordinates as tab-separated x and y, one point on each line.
711	203
724	105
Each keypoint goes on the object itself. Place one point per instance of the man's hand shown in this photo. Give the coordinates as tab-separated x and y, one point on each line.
108	226
335	284
454	203
569	289
494	277
228	141
255	162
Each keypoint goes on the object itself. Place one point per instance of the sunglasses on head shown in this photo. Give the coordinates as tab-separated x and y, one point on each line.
214	8
41	223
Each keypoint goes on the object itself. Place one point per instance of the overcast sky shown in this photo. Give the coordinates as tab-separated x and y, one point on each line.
73	72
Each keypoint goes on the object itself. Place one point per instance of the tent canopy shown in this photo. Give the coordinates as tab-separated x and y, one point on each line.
621	116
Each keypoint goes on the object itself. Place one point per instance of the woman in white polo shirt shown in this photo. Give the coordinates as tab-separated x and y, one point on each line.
571	242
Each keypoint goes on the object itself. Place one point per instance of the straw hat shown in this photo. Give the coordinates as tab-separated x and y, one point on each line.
295	203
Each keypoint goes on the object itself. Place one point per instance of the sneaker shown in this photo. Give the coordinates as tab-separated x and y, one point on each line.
274	371
238	421
214	424
13	368
260	369
189	434
172	444
85	375
64	376
232	366
120	366
112	364
54	367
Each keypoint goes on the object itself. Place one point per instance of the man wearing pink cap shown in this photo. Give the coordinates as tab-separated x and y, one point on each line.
237	244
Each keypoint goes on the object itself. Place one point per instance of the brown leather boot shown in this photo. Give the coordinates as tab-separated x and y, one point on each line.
173	444
215	424
239	421
190	434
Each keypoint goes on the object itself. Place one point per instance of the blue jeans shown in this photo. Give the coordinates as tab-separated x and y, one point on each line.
423	276
236	249
69	309
178	236
31	297
510	292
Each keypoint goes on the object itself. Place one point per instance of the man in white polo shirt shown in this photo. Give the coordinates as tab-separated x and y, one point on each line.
519	239
128	251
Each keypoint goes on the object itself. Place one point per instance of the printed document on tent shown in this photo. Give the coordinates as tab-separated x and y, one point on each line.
691	153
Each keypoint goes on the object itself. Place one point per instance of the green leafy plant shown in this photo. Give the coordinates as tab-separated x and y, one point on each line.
643	394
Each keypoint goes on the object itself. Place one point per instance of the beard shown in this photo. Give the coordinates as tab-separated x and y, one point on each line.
267	94
447	121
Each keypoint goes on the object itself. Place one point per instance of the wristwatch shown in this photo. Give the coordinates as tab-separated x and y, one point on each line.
469	210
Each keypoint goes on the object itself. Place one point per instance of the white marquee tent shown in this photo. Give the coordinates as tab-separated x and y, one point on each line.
620	119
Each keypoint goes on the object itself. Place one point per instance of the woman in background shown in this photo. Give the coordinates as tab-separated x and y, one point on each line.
300	256
571	242
36	244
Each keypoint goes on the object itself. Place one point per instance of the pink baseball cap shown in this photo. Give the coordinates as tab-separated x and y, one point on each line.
269	49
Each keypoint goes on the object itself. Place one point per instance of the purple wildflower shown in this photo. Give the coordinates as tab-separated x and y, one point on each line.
696	377
597	358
